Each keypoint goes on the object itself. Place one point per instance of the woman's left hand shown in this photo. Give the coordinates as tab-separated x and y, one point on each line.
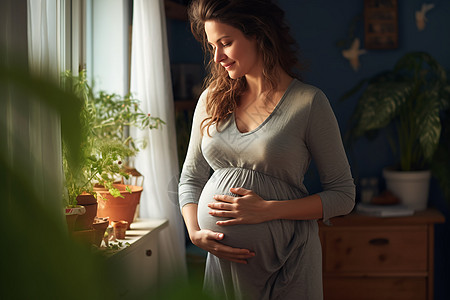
247	208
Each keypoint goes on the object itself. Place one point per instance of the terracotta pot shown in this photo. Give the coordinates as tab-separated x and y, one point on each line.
117	208
85	221
70	220
99	225
72	214
120	228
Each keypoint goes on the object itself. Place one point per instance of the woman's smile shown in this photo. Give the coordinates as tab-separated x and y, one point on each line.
227	66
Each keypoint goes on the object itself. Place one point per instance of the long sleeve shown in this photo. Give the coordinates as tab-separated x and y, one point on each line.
327	150
196	170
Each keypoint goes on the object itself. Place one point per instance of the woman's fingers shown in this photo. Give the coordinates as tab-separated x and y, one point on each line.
230	199
233	254
242	253
220	205
224	198
223	209
247	208
209	241
240	191
229	222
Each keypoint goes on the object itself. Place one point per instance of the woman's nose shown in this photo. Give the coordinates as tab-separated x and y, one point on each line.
218	55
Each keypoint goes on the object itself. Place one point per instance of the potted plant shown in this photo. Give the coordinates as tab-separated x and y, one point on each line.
77	182
106	146
407	101
96	160
75	179
115	115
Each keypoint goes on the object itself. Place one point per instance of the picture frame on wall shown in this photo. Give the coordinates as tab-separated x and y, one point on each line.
380	24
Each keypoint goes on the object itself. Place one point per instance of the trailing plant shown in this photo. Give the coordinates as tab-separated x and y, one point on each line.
104	143
406	101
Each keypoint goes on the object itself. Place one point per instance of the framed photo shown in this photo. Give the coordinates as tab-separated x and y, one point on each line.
380	24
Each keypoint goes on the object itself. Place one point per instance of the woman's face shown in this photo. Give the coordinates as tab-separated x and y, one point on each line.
233	50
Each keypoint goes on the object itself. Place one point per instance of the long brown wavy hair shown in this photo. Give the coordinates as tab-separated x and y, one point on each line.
259	19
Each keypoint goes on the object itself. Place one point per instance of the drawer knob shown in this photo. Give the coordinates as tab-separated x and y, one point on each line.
379	241
148	252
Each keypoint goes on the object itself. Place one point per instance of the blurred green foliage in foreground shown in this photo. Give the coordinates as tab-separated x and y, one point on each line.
38	258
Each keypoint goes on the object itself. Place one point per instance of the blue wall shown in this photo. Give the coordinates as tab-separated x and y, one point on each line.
317	26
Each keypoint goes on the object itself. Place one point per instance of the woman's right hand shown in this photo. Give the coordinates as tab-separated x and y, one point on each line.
209	241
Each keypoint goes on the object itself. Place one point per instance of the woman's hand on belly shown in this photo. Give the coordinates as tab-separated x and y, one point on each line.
209	240
247	208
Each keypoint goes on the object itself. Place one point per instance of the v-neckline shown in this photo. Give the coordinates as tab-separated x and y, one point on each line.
268	117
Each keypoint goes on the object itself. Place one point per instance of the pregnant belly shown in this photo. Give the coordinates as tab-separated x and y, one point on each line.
245	236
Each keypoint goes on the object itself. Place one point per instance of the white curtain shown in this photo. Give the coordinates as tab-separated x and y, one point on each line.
44	124
158	162
42	38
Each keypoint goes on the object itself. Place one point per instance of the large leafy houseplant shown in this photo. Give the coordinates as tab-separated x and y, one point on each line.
105	144
408	102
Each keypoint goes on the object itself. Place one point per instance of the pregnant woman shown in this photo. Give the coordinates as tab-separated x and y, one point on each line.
258	127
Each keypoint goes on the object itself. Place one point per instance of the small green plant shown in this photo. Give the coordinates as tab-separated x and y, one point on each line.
411	97
117	245
115	115
105	146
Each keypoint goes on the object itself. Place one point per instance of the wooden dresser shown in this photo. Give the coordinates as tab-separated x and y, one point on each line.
367	257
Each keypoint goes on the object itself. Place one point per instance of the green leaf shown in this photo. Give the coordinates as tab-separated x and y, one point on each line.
411	97
115	192
379	105
429	124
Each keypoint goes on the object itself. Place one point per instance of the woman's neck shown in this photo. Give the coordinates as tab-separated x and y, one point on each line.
257	86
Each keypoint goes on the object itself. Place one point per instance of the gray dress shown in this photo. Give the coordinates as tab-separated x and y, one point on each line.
271	160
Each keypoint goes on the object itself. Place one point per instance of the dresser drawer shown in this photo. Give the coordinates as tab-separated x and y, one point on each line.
339	288
370	249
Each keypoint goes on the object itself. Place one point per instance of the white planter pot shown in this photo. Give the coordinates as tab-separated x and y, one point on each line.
410	187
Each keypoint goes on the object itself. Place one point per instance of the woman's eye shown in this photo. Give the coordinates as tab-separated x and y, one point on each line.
226	44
